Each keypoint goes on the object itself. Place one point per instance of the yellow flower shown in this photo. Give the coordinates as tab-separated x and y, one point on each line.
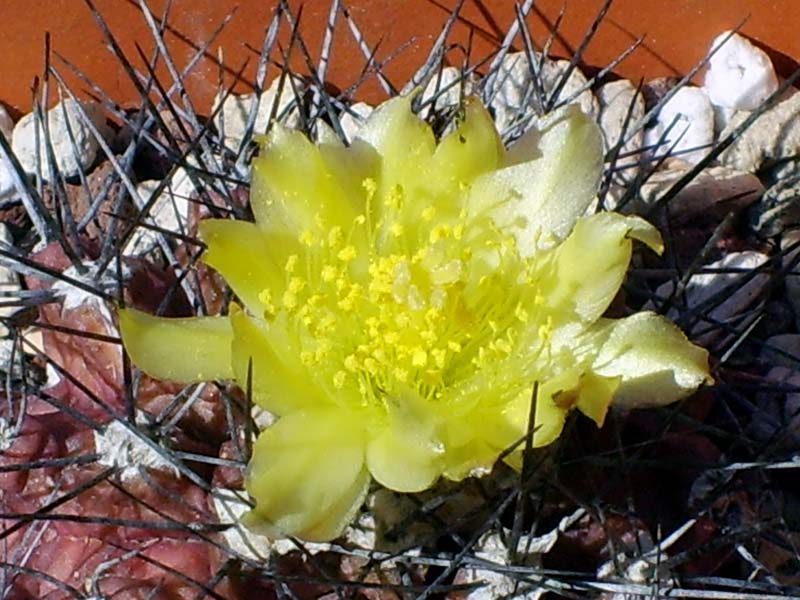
399	298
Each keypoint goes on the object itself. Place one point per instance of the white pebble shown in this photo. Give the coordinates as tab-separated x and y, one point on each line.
617	99
119	447
516	93
9	284
232	117
66	123
687	121
7	187
740	76
353	119
170	211
448	86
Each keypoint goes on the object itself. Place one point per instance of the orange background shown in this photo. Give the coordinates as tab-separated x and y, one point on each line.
677	35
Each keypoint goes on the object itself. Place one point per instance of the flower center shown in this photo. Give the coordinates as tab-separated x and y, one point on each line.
415	302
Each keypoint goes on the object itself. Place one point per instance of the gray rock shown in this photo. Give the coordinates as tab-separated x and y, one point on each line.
779	208
790	259
782	351
722	295
715	191
774	136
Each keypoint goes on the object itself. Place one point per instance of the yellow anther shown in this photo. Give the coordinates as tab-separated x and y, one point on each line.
265	297
369	186
419	358
289	300
306	357
394	198
307	238
328	273
346	254
396	230
296	285
521	314
371	365
291	263
503	346
439	232
338	379
335	236
439	355
360	220
546	329
454	346
400	374
351	362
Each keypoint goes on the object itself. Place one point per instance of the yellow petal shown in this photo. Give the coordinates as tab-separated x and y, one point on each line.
240	252
595	395
293	191
472	149
552	176
590	265
307	475
404	141
405	456
186	350
280	382
656	363
406	145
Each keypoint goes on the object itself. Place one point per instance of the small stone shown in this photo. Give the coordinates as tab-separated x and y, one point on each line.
230	505
685	125
9	283
66	122
714	192
775	135
7	187
621	107
619	102
352	119
722	295
740	76
119	447
516	95
170	211
782	351
448	86
232	117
